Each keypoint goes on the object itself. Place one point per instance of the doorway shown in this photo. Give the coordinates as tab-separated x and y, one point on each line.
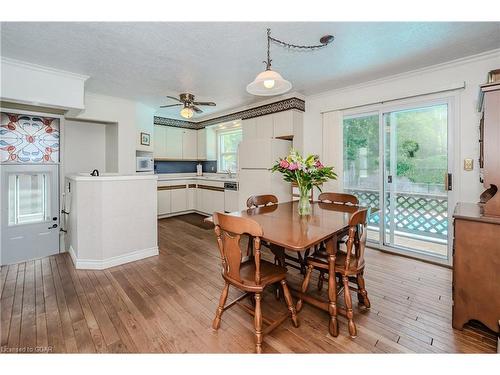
397	161
29	178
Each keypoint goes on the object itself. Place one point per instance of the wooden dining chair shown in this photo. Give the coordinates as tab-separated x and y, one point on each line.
256	201
335	198
338	198
249	274
349	265
261	200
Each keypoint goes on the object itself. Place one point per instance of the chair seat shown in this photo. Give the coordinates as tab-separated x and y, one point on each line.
269	274
322	262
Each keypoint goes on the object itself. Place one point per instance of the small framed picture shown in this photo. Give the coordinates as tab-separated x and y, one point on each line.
145	139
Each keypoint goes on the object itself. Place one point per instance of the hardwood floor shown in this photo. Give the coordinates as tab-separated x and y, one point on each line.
167	303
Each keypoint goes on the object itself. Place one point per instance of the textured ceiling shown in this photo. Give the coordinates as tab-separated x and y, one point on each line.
215	61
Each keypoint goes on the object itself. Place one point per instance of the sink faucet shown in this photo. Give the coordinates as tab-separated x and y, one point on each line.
94	173
229	173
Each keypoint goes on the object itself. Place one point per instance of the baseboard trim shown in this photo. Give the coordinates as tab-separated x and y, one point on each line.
165	216
101	264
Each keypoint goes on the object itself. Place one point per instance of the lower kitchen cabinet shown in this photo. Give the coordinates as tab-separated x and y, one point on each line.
178	198
210	199
205	198
164	201
191	197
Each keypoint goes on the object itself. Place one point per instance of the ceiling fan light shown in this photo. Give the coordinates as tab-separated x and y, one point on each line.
187	112
268	83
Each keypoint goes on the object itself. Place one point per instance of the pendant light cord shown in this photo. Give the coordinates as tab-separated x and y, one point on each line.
327	41
289	45
268	62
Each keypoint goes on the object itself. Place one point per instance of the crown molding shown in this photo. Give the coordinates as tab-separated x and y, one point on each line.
44	69
411	73
261	110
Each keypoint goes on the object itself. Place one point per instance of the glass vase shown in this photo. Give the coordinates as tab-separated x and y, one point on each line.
304	206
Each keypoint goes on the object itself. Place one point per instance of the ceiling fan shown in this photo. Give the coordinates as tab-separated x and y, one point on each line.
190	106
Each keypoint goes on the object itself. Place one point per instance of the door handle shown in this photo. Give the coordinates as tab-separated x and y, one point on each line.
389	179
448	181
53	226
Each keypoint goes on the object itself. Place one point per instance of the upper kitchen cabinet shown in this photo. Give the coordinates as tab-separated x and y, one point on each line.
264	126
258	127
249	127
286	125
189	144
207	144
160	141
174	142
167	142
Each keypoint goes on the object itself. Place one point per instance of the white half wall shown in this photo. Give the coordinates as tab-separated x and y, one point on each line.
473	71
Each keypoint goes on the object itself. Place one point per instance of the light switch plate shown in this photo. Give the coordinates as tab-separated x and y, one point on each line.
468	164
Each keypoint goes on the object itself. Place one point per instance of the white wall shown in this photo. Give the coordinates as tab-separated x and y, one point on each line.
144	123
473	71
130	117
85	147
41	86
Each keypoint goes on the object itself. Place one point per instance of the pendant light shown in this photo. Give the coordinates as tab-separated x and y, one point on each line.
270	82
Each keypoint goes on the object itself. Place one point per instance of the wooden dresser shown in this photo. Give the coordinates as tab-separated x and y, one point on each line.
476	267
476	245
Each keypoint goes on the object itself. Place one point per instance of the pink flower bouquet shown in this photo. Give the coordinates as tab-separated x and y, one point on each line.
306	173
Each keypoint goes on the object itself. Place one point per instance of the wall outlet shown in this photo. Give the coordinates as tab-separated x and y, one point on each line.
468	164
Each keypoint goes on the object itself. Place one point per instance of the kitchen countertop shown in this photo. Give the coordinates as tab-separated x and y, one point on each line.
219	177
111	177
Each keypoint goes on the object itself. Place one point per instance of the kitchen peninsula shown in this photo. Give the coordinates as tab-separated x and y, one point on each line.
111	219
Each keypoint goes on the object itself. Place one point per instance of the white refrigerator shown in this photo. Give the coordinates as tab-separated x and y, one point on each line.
255	158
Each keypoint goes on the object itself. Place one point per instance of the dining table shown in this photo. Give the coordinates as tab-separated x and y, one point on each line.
283	228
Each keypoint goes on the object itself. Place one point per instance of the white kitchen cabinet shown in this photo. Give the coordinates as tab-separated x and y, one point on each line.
209	201
200	203
178	198
258	127
189	144
159	141
283	124
214	201
174	142
207	144
191	197
286	124
249	127
201	135
264	126
164	202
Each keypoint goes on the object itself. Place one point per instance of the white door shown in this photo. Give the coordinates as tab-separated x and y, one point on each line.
30	212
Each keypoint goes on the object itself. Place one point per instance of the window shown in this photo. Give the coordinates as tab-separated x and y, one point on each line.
28	139
227	149
28	198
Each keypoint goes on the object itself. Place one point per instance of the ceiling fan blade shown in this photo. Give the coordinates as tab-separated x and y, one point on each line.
174	98
212	104
196	109
170	105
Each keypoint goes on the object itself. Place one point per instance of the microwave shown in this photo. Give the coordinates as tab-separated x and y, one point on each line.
144	164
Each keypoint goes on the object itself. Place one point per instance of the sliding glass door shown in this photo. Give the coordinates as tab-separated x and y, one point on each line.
401	154
362	165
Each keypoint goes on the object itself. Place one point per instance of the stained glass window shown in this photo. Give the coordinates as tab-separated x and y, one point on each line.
28	139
